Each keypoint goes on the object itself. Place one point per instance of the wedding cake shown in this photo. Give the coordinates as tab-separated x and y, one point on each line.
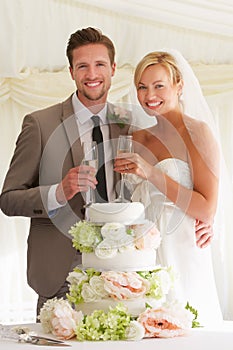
118	292
118	260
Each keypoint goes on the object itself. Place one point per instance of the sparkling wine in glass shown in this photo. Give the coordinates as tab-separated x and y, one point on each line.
125	145
90	158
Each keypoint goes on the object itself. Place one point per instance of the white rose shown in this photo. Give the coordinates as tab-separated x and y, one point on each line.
97	284
113	231
76	277
135	331
89	294
106	249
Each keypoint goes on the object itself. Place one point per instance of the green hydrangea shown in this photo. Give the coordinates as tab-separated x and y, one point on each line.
86	236
100	325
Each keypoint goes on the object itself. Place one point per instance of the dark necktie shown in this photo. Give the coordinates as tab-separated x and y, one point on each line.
101	190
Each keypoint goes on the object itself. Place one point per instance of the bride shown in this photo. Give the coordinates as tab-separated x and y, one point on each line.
176	171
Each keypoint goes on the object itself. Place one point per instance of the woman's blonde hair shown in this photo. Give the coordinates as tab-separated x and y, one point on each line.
158	57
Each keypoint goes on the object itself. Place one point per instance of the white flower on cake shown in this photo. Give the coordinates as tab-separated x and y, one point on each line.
89	294
122	285
77	277
106	249
164	280
161	281
113	231
97	284
135	331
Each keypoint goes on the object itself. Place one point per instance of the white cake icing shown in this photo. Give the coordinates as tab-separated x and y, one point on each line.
125	213
130	260
135	307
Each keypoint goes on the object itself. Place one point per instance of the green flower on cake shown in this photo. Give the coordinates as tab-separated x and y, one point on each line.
112	325
119	116
86	236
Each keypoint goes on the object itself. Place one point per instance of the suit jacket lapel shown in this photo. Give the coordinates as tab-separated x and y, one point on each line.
72	132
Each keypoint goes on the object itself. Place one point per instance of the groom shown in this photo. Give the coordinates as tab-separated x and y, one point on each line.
46	180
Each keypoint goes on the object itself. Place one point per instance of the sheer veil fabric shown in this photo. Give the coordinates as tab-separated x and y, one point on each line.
195	106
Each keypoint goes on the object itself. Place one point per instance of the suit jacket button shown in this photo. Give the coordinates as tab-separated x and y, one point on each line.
37	211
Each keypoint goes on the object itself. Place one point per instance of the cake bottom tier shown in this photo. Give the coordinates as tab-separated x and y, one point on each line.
135	307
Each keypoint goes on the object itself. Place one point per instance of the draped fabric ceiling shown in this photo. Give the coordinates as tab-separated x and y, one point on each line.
34	74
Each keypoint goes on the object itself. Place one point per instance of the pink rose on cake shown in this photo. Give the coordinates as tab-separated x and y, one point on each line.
147	236
122	285
168	321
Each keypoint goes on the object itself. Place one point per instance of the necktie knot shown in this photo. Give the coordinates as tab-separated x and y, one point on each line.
96	120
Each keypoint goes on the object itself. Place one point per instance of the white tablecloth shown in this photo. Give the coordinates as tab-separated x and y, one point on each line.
197	339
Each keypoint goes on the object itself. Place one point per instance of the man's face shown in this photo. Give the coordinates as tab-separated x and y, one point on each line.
92	72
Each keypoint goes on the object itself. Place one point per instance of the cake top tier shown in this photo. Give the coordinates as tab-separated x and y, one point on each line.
125	213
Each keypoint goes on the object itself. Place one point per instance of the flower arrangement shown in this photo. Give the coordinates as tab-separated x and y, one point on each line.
119	116
111	238
90	285
58	318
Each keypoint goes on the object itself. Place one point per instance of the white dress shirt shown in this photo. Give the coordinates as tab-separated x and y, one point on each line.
85	126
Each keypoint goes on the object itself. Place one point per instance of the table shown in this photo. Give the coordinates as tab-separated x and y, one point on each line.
197	339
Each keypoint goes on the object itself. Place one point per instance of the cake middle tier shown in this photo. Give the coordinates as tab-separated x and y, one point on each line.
129	260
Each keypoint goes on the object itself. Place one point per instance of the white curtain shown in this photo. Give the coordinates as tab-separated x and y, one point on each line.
34	74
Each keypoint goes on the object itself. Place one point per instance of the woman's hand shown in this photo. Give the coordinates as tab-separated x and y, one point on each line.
204	234
132	163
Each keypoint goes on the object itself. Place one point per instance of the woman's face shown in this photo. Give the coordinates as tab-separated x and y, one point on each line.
156	92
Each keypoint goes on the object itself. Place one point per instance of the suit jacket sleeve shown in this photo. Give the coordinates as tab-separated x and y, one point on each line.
21	194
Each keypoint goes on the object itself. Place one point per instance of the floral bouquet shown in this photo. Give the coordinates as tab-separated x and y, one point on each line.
58	317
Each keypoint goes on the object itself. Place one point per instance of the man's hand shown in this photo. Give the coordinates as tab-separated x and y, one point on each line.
78	179
204	234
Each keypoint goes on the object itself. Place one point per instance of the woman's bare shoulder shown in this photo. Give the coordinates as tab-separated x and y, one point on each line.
197	127
141	135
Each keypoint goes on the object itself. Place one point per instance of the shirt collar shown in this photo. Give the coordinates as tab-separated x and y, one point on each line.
83	114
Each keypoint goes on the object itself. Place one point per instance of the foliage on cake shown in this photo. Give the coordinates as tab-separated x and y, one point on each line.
57	317
111	238
90	285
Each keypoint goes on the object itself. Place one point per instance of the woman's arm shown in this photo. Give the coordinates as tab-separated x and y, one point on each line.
200	202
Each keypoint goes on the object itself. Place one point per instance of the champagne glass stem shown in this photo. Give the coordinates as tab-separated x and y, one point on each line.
121	197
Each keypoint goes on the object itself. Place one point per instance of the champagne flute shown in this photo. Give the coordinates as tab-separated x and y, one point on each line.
125	145
90	158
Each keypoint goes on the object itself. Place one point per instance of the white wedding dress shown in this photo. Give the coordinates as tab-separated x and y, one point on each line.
195	278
